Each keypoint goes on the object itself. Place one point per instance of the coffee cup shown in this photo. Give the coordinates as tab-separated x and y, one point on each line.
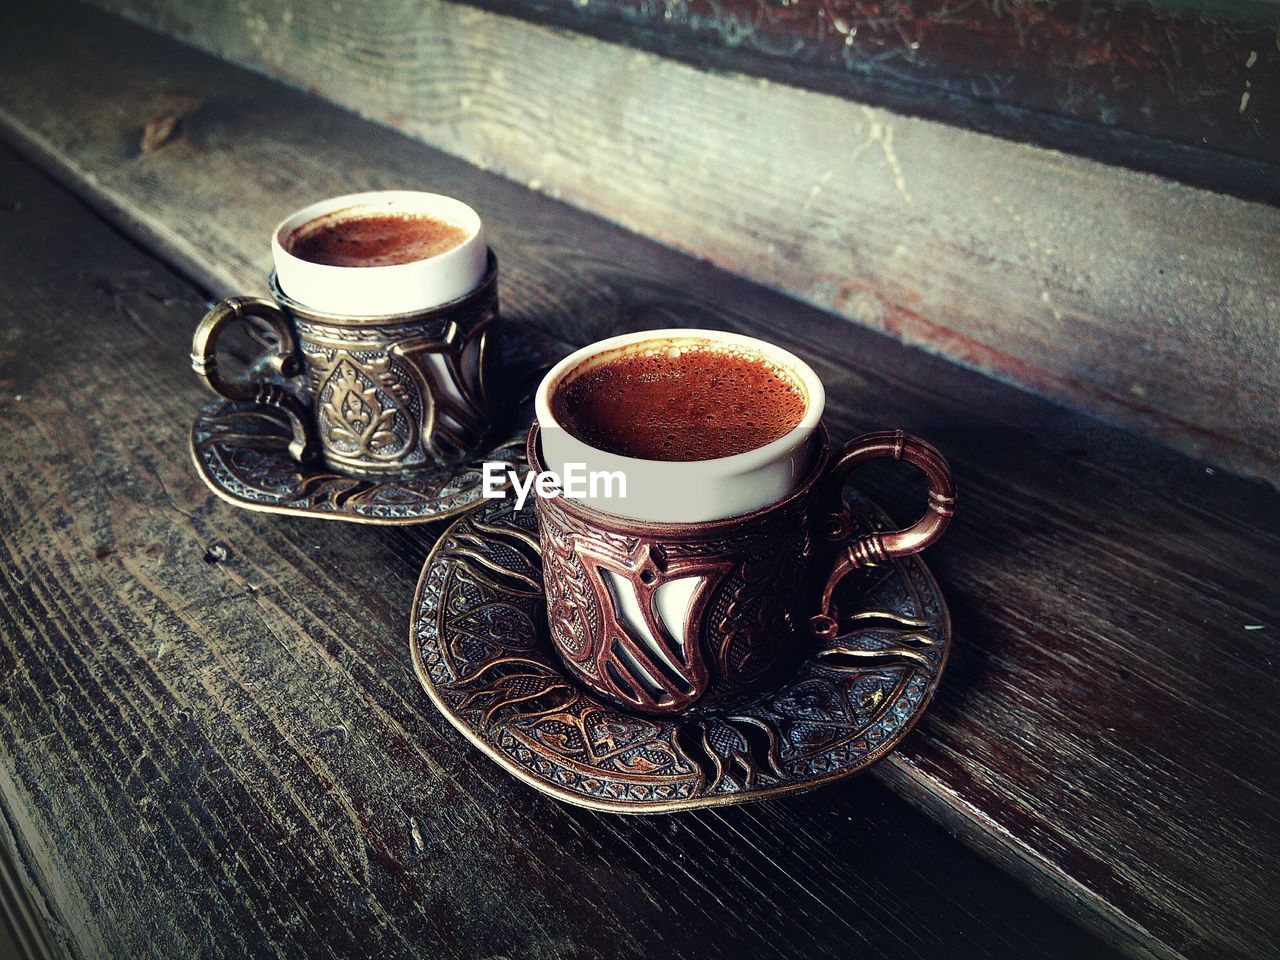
691	590
382	306
769	453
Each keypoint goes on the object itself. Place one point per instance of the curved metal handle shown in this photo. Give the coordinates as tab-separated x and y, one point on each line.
877	547
284	360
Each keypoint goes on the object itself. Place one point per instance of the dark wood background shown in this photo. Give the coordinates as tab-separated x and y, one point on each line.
213	745
1187	89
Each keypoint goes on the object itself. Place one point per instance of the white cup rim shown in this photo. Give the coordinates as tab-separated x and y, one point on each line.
394	288
815	402
399	201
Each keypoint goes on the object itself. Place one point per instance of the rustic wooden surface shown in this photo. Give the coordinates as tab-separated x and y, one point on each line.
1184	89
1085	282
23	933
1106	728
213	743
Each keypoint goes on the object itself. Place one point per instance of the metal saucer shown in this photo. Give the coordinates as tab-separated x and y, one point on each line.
241	453
479	645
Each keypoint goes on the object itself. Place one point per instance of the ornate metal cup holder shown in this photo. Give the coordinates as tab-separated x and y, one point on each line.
478	639
241	451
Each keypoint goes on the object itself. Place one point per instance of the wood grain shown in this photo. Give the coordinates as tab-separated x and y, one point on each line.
212	743
23	926
1150	303
1184	89
1106	728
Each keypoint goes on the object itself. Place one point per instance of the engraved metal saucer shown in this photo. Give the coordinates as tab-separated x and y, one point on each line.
241	451
478	639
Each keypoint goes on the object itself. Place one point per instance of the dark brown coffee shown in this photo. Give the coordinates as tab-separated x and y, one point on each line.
683	402
373	240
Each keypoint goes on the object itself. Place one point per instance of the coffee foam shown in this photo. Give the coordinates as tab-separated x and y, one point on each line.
677	400
362	237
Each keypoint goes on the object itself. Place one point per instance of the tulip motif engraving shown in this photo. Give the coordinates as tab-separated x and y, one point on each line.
653	653
364	408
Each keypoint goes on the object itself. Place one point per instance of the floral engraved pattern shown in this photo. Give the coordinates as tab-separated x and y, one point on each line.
731	636
480	646
360	412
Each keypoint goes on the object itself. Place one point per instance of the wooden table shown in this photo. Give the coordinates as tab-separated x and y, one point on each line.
211	739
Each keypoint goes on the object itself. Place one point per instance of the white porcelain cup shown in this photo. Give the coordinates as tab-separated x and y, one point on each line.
383	290
689	491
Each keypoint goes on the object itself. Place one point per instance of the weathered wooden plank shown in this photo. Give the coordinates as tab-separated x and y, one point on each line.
1150	303
1106	728
1182	89
226	753
23	928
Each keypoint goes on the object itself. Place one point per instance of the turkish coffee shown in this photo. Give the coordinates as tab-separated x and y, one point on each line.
347	239
680	402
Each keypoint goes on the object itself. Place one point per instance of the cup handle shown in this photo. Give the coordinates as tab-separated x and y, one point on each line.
284	360
877	547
